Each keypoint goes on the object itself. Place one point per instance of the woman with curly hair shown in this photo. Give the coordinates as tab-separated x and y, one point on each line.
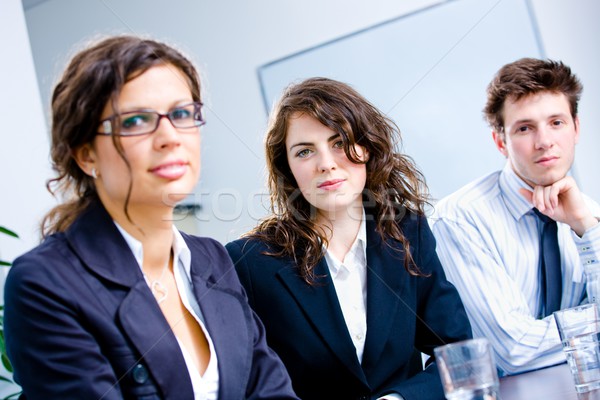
344	272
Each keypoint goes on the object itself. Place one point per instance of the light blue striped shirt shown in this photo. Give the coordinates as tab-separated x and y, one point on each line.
488	242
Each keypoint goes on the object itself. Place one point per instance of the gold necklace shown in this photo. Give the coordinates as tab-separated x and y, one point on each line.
158	289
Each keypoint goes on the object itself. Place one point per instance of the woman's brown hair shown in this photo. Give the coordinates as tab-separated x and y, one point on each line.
393	182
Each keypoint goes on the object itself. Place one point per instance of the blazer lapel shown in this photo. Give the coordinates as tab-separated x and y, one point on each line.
322	307
233	346
385	282
103	251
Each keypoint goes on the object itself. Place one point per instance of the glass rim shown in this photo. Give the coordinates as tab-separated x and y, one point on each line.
577	307
477	340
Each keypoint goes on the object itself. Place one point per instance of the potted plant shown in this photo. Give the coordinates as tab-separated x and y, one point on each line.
5	361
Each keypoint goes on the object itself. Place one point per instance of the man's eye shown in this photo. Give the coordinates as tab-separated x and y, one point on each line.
339	144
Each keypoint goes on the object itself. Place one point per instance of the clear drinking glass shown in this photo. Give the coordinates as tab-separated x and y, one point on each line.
468	371
579	329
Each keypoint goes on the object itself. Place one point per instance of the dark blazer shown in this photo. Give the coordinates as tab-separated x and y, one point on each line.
306	327
81	322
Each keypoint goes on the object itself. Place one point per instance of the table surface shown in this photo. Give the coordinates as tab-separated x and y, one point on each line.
553	383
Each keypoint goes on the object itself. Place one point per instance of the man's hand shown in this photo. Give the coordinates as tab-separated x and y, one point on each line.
562	201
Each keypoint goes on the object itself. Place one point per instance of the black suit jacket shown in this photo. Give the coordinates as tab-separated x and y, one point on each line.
306	327
81	322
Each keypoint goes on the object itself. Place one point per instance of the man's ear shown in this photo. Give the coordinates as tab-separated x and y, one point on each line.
85	157
500	140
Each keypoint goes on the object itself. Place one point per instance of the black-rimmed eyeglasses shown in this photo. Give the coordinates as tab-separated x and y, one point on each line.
142	122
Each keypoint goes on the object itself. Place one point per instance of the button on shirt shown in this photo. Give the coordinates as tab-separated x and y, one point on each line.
350	281
206	387
488	242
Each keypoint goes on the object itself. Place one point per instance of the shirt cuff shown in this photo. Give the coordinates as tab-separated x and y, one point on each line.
588	247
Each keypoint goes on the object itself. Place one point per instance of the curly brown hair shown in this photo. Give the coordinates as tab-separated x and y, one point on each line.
528	76
95	76
393	184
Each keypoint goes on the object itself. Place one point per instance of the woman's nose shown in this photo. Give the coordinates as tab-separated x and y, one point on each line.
166	134
326	162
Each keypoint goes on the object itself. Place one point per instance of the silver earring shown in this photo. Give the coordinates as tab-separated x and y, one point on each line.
94	175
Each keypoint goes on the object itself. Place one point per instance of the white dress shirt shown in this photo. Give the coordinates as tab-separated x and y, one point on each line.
350	281
206	387
350	278
488	242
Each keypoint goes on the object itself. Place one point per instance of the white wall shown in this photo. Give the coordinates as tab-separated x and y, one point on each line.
230	39
24	165
24	146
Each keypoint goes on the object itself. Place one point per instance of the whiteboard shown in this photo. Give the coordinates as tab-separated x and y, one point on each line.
428	71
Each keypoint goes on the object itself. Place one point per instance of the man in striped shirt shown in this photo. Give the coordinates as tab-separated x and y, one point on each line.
488	237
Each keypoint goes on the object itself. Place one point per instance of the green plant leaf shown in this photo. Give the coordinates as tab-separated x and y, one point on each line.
3	357
6	363
8	232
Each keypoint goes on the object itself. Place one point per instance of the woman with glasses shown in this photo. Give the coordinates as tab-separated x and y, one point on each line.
116	303
344	273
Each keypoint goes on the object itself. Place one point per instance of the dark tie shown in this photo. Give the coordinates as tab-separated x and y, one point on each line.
551	272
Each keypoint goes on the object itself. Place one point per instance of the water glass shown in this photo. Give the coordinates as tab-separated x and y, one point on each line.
468	371
579	329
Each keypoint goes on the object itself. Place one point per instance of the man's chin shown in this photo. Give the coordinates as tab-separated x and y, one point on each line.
549	179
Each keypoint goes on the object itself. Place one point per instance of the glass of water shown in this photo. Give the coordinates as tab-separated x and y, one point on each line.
467	370
579	329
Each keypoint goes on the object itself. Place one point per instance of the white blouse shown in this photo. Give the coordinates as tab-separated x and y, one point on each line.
350	280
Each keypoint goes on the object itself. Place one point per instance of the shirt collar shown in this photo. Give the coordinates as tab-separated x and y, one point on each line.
181	251
360	244
362	234
510	183
134	244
